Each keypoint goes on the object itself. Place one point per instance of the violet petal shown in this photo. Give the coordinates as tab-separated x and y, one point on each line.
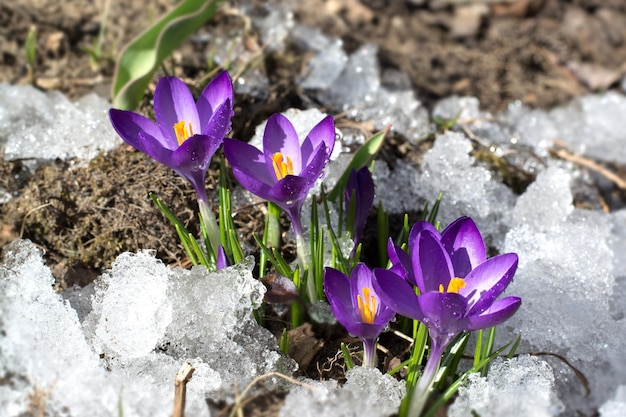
289	190
323	132
443	311
249	162
280	136
431	264
174	103
130	127
464	244
400	261
214	95
488	280
499	312
420	226
219	124
396	293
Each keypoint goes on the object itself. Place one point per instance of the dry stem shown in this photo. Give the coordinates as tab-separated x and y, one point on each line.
180	388
586	162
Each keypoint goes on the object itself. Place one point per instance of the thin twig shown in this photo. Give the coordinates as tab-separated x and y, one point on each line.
238	403
31	211
180	388
588	163
403	336
581	377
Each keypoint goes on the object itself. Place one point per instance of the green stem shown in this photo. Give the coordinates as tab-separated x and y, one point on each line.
369	353
210	223
303	256
425	382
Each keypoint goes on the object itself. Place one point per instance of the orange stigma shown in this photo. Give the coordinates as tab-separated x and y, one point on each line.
182	133
367	306
454	285
282	168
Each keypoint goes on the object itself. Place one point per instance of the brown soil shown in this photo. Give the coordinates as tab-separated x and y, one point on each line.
541	52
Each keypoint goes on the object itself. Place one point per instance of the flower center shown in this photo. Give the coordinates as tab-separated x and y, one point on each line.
454	285
368	306
282	168
182	132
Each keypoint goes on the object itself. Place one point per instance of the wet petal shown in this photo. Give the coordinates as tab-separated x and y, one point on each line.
323	132
362	185
401	262
141	133
173	103
499	312
289	190
488	280
443	311
218	92
195	153
219	125
431	264
417	228
361	277
464	244
396	293
337	286
385	314
339	294
280	136
365	330
249	161
192	158
129	125
313	170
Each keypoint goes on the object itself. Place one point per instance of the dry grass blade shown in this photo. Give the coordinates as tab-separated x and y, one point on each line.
588	163
239	403
180	389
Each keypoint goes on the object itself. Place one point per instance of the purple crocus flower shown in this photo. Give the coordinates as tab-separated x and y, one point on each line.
357	306
186	133
222	259
285	170
458	288
359	195
461	240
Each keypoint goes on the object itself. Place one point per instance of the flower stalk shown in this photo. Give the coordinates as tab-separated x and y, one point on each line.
422	389
209	223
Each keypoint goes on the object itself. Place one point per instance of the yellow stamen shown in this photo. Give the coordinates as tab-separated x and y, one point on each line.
282	168
454	285
182	133
367	306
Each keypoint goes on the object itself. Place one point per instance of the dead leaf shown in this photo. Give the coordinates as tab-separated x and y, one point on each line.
594	76
303	345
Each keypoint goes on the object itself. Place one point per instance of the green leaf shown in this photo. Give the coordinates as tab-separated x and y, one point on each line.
30	47
141	57
514	347
196	255
445	124
382	226
346	356
363	156
284	342
273	225
399	367
228	230
453	388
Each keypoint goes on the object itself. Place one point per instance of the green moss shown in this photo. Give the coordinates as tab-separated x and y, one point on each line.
514	177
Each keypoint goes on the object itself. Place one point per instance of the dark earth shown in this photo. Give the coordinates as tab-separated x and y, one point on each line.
540	52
